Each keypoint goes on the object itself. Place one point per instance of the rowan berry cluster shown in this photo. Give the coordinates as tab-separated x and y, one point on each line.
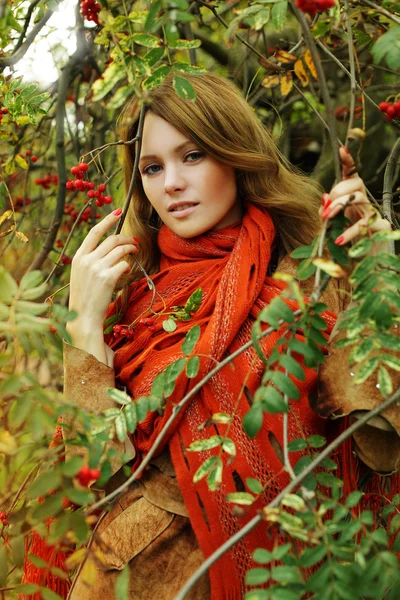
123	331
29	154
45	182
3	111
73	213
79	185
86	475
311	7
90	10
20	203
66	260
149	322
342	113
391	109
3	517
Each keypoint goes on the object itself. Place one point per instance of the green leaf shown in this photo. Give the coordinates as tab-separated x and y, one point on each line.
169	325
157	388
142	408
302	252
205	444
278	14
366	370
214	478
194	301
229	447
361	352
157	77
361	248
271	400
119	396
72	466
257	576
312	556
262	556
33	293
191	340
293	501
172	372
281	310
301	348
130	417
184	44
388	341
391	361
121	428
80	497
154	9
51	506
380	537
122	94
305	269
102	86
285	384
387	46
292	366
384	381
286	574
254	486
253	420
184	88
328	480
192	366
48	594
363	269
45	483
8	286
296	445
205	468
150	41
353	499
242	498
154	56
122	584
316	441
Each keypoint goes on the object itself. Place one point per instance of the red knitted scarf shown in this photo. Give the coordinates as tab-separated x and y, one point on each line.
230	266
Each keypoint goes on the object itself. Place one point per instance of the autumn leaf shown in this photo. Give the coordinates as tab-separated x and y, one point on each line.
328	266
7	231
270	81
301	72
286	84
284	57
5	216
310	64
267	64
21	236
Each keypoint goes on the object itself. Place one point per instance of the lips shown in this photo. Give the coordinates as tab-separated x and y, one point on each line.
180	206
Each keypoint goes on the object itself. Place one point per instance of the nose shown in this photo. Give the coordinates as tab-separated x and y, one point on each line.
173	179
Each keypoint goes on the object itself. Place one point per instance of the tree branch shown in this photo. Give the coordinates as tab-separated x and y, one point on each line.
387	195
291	486
8	61
381	10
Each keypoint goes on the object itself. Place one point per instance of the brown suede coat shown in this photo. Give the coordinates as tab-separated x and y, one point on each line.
148	527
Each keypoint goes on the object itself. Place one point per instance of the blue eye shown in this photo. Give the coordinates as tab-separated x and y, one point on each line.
195	155
147	170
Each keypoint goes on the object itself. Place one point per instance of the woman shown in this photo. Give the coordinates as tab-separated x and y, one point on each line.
215	206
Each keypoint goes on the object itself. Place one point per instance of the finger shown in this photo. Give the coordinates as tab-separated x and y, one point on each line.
348	186
349	169
344	201
96	233
352	232
121	268
113	241
115	255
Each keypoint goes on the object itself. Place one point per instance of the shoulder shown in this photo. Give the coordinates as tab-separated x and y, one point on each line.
336	294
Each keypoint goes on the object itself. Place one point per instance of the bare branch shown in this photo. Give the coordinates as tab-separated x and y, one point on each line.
8	61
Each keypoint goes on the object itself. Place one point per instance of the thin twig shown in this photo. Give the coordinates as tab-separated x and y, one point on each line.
387	194
381	10
212	559
353	85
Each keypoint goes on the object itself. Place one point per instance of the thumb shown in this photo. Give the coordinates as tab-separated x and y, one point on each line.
349	169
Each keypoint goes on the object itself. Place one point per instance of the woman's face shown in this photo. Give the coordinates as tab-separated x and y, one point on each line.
191	191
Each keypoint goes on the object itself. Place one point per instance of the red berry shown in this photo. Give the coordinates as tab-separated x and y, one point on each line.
66	260
75	170
391	110
4	111
90	185
59	244
83	166
34	158
397	108
383	106
52	329
101	187
99	203
84	476
28	153
92	194
108	200
94	474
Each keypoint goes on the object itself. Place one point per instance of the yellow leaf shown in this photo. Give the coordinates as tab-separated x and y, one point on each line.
328	266
271	66
270	81
271	514
8	445
310	64
76	558
22	120
7	231
284	57
89	572
286	83
301	72
282	277
21	236
21	162
5	216
357	134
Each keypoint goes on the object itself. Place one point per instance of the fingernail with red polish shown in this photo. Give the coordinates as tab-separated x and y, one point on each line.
345	149
325	199
117	212
339	241
327	209
136	240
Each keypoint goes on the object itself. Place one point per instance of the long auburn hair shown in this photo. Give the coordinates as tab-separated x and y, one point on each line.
223	125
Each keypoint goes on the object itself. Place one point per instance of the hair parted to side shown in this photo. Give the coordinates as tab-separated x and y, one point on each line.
223	125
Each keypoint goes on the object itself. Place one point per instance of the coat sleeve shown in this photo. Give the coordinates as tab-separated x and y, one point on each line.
85	384
378	443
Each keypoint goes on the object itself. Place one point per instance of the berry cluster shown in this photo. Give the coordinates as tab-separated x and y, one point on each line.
3	517
149	322
45	182
3	111
20	202
79	185
29	154
391	109
90	10
311	7
342	113
66	260
86	475
123	331
85	216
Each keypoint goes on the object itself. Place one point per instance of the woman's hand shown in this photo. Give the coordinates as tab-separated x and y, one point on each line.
96	268
350	195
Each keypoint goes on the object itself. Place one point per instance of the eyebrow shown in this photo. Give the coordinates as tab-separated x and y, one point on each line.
176	151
